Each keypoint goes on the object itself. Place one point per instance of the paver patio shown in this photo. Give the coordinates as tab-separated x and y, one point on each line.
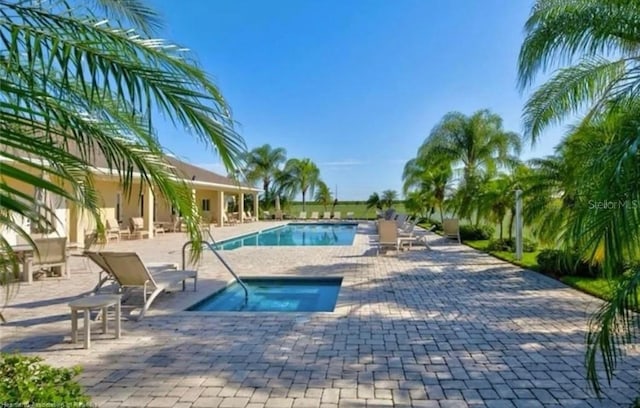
450	327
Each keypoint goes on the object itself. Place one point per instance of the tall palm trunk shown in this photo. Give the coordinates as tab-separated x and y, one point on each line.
304	193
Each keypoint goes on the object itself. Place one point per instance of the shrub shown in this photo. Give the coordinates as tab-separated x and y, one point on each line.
509	245
563	263
27	381
473	233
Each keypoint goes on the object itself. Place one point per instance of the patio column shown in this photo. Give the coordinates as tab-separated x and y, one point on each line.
256	204
241	208
147	211
220	208
194	202
76	225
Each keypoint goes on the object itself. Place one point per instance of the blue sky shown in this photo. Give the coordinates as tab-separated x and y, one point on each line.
354	85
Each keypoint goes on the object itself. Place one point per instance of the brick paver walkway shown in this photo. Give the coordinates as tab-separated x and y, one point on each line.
443	328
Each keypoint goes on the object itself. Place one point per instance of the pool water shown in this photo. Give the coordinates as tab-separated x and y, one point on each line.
317	234
275	295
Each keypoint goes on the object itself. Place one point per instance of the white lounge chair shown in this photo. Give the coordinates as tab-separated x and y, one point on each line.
451	229
388	233
302	216
228	220
401	219
106	275
314	216
407	229
130	273
406	234
350	215
49	253
326	215
137	227
337	216
114	230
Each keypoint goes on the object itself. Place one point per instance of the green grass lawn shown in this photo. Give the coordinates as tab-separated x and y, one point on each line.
599	287
528	258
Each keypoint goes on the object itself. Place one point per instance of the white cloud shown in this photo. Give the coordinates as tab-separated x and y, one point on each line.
342	163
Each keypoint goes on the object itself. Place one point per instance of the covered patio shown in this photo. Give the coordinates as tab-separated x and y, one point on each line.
211	193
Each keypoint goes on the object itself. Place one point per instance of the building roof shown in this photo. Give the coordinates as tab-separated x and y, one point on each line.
190	172
187	171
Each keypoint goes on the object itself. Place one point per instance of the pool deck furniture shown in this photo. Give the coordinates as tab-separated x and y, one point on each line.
401	219
115	231
302	216
388	235
158	228
85	305
49	253
350	216
402	240
451	229
326	215
137	227
337	216
23	252
229	220
131	273
106	275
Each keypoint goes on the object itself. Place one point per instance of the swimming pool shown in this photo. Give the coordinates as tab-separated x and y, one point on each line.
275	295
297	234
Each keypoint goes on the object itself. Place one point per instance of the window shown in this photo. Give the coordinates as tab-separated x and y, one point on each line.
206	204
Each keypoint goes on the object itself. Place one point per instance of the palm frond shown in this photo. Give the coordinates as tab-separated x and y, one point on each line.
569	91
612	327
558	31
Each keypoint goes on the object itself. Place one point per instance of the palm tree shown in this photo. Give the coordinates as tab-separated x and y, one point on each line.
497	198
550	195
74	84
323	195
263	163
477	142
430	178
388	197
374	201
601	36
598	42
418	203
300	175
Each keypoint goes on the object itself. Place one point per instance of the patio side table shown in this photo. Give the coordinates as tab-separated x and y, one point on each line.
86	304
